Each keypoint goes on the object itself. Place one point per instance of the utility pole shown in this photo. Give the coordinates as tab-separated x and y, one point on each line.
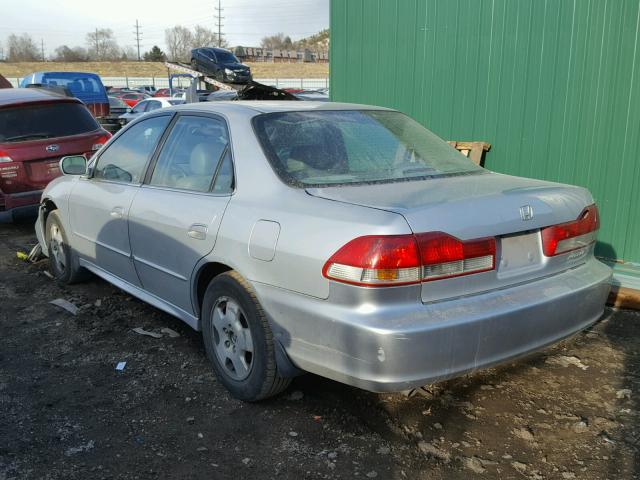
97	49
138	34
42	48
219	17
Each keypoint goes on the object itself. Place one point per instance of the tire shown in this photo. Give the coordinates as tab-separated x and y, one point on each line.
239	341
63	261
194	64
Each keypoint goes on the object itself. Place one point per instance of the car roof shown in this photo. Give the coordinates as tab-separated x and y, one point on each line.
10	96
252	108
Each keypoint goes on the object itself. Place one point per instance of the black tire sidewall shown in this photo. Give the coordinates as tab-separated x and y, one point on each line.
65	276
252	387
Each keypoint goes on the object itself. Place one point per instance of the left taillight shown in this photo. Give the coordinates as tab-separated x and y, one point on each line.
565	237
100	142
391	260
4	157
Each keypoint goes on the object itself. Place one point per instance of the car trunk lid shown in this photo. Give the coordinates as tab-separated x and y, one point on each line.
479	205
35	163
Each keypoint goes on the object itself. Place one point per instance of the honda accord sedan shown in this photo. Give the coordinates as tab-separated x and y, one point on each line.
343	240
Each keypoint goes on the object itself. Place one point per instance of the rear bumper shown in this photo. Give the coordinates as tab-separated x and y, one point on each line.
382	347
19	205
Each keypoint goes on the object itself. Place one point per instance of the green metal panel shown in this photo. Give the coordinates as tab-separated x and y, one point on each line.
553	85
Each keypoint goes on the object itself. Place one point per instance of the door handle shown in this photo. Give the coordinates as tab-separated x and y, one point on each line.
197	231
117	212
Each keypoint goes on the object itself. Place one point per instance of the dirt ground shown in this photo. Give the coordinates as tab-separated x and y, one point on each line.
157	69
66	413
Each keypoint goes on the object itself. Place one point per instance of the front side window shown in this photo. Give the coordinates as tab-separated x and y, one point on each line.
191	156
125	158
354	147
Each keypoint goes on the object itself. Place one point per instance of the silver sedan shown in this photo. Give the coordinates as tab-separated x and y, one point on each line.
343	240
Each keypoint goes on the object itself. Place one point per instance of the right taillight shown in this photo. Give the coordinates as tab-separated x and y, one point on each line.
569	236
390	260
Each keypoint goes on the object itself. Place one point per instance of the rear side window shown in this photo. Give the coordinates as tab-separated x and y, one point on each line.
191	157
153	105
52	120
125	158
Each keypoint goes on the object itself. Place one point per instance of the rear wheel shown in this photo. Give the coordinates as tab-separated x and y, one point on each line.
63	262
194	64
238	340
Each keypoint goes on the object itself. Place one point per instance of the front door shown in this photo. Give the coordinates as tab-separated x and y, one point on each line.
175	217
99	205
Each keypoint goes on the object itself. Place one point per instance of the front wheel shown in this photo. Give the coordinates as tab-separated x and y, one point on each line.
63	262
238	340
194	64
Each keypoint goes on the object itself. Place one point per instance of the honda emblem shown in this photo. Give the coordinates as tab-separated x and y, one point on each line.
526	213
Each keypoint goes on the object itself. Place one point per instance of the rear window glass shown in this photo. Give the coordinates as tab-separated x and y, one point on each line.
33	122
350	147
117	103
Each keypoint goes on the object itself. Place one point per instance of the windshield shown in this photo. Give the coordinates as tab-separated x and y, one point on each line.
176	102
226	57
39	121
349	147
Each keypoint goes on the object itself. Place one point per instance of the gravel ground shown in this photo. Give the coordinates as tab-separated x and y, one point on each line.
571	411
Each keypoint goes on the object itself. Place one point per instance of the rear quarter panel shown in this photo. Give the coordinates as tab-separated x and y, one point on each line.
311	228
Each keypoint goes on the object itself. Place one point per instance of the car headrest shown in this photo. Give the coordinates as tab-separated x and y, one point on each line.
317	156
201	161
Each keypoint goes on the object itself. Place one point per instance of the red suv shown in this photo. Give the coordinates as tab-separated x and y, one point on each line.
37	128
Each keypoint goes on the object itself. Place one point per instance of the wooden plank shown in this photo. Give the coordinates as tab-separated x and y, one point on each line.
621	297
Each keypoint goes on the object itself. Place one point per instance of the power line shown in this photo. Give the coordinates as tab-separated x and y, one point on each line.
138	34
219	18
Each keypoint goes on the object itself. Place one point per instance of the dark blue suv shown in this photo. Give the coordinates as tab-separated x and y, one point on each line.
220	64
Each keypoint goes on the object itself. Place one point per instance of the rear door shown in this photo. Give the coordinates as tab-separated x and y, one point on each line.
99	205
175	217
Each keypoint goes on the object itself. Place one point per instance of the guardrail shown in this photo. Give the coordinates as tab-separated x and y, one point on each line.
163	82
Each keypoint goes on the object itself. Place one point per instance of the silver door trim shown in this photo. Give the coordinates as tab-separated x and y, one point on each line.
158	267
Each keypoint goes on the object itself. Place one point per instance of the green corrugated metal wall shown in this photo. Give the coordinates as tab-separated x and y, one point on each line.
553	85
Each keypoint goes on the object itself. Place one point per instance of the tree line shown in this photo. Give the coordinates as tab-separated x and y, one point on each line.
101	45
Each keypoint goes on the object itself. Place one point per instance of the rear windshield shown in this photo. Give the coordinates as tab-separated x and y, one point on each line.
349	147
33	122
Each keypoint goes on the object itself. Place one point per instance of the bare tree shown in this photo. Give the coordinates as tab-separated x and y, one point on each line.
278	42
203	37
128	53
22	48
102	45
179	41
67	54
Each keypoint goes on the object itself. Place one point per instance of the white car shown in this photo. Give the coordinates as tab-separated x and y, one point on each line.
149	105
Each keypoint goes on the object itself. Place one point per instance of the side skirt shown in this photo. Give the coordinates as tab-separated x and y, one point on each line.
143	295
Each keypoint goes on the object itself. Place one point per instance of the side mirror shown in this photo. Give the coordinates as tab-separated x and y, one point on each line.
73	165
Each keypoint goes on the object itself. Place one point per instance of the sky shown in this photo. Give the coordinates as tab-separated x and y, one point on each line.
245	22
